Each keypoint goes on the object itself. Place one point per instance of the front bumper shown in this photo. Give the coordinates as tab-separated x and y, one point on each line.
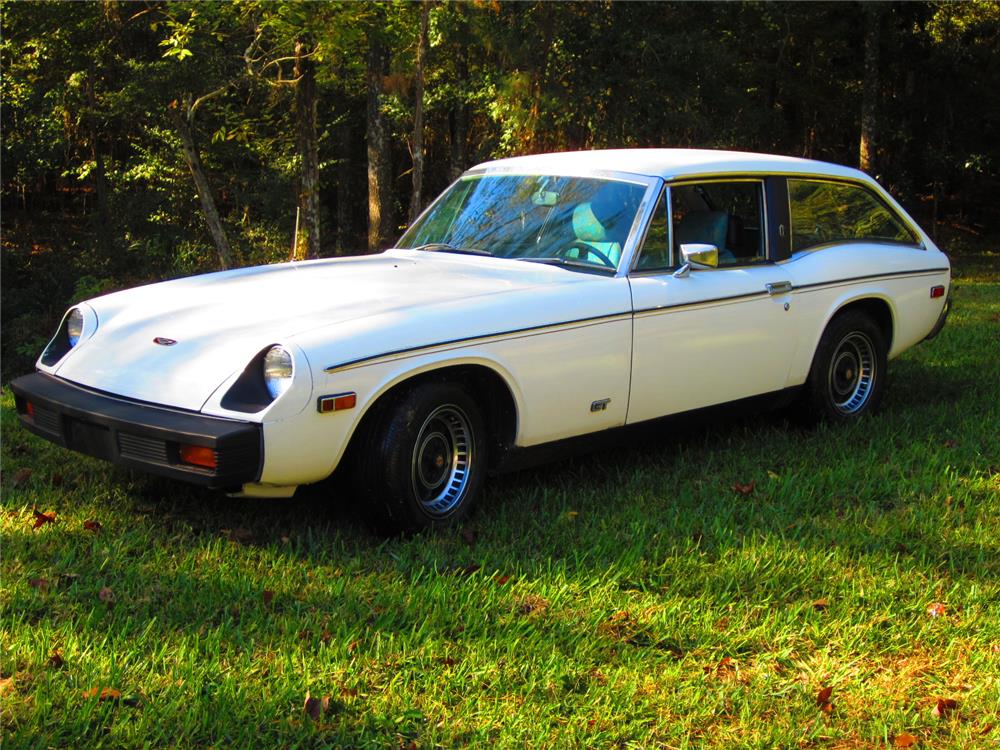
138	435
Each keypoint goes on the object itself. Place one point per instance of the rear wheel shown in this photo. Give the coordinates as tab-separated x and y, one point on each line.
423	459
848	374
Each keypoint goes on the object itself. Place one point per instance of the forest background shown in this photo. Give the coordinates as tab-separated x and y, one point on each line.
148	140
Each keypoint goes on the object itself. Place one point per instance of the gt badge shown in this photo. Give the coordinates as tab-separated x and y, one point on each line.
164	341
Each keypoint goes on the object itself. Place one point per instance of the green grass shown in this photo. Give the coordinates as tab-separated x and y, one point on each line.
609	592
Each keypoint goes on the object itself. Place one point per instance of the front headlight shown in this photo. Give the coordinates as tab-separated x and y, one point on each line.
278	370
74	326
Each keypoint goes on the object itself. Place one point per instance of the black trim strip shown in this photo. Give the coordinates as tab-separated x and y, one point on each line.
732	298
633	313
921	272
465	339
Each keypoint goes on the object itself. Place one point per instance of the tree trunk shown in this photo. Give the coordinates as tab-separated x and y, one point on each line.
418	114
379	219
204	190
870	88
344	175
458	117
308	239
100	177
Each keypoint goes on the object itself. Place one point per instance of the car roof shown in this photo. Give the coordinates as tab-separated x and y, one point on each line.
667	163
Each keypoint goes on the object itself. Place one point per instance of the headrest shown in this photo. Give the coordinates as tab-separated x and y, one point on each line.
586	226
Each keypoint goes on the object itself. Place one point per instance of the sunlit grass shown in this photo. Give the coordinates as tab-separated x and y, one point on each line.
628	599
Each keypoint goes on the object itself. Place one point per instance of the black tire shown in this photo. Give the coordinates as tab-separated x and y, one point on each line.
422	459
848	375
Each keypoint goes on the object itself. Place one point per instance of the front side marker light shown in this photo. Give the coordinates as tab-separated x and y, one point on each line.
337	402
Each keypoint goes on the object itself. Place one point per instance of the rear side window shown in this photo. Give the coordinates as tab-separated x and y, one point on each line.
823	212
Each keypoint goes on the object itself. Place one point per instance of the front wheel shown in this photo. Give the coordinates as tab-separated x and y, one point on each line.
423	459
848	374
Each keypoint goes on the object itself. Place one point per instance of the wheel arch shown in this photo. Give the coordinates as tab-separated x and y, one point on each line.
488	384
877	307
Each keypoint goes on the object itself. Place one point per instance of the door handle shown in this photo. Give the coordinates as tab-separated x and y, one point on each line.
778	287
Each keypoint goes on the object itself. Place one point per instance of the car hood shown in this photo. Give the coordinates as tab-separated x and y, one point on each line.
220	321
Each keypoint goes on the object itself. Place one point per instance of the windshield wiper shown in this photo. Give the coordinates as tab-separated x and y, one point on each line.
444	247
569	263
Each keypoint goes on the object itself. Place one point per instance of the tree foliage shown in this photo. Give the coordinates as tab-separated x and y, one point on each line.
97	183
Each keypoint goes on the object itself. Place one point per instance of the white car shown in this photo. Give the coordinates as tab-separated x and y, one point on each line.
538	299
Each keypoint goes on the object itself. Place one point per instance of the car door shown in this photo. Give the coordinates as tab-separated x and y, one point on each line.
708	336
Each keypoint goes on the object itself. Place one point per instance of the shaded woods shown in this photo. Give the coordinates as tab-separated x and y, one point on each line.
148	140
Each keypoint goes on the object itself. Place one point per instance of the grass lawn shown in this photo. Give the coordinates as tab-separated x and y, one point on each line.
633	599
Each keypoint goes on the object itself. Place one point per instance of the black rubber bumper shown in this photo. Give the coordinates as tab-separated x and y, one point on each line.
138	435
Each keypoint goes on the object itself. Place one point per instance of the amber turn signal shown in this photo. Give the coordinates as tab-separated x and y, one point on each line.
198	455
339	402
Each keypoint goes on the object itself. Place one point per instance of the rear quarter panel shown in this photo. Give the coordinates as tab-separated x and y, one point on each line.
828	278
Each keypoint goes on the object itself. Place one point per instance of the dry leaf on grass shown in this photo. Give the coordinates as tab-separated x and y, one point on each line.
107	596
21	476
820	604
823	697
944	706
103	694
937	609
904	740
316	707
91	525
43	518
745	489
56	660
268	597
42	584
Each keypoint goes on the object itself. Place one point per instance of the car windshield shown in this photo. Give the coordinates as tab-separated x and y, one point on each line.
573	221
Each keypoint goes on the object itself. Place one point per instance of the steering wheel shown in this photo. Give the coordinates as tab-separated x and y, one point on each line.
588	250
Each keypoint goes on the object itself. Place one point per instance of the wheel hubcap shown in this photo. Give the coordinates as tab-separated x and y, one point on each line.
442	460
852	373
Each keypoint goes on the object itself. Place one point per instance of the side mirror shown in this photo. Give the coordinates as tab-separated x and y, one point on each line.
698	256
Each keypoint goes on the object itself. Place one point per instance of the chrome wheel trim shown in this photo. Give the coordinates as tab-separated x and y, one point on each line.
851	377
442	460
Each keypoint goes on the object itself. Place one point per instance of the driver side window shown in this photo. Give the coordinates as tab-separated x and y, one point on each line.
728	215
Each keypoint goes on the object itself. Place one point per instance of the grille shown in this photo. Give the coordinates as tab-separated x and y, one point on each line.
47	419
147	449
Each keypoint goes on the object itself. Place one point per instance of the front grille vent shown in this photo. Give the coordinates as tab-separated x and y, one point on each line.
146	449
47	419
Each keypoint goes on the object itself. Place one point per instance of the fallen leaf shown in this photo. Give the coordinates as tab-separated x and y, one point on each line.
6	683
325	636
238	534
904	740
745	489
470	535
937	609
56	660
352	646
21	476
447	661
949	443
43	518
42	584
103	694
820	604
94	526
823	697
725	665
502	580
57	480
107	596
944	706
569	515
316	707
268	597
349	692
